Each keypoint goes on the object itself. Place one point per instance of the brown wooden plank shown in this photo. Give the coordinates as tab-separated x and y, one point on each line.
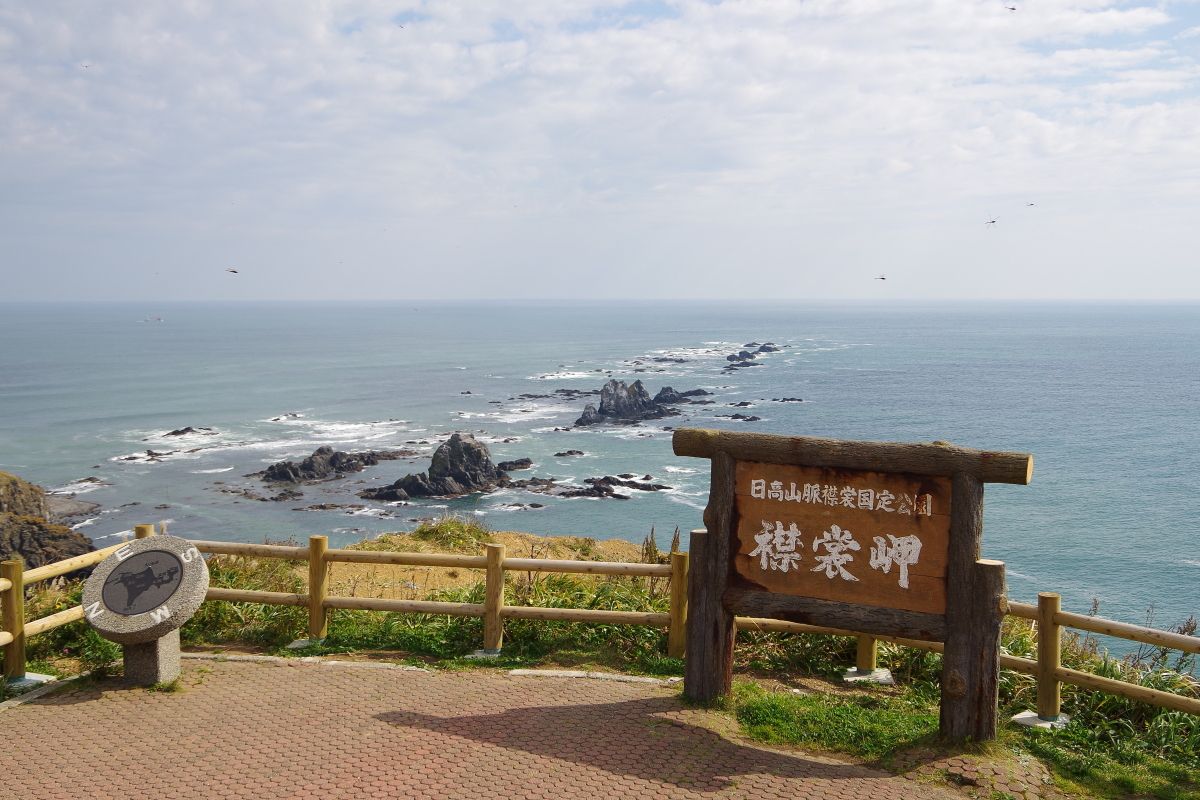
788	515
828	613
921	459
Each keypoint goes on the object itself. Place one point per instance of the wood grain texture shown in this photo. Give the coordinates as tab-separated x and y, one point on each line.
974	611
708	672
12	607
832	614
677	638
920	459
318	587
1049	656
493	602
876	510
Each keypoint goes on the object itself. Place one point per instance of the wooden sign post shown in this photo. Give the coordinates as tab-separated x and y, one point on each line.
874	537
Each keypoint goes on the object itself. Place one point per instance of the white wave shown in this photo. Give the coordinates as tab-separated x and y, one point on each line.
1014	574
84	524
683	470
563	375
638	433
1195	562
80	487
684	500
210	471
125	534
488	438
379	513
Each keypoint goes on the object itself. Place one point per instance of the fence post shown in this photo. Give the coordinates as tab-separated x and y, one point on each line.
866	656
1049	656
14	618
143	531
493	602
677	636
318	587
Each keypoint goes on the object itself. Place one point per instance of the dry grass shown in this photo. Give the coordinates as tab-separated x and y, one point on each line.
416	583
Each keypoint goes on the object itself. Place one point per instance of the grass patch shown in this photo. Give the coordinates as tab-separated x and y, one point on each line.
168	687
453	534
869	725
256	624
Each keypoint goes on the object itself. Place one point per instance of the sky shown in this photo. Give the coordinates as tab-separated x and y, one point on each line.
578	149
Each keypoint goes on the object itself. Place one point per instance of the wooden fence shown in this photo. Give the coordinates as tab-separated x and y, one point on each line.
1049	619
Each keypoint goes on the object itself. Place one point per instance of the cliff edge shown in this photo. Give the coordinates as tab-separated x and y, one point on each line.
25	528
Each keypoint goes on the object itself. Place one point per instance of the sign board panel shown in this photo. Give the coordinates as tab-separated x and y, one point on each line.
854	536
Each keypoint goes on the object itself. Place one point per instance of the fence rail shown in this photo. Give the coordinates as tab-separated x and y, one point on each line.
1047	615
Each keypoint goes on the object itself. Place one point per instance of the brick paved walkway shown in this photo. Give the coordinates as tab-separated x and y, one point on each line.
269	730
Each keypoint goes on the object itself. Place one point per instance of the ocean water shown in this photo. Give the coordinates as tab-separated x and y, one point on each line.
1106	398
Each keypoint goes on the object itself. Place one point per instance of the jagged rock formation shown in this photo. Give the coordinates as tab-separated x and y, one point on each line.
460	466
624	404
25	531
667	395
510	466
21	497
190	430
746	357
326	463
604	487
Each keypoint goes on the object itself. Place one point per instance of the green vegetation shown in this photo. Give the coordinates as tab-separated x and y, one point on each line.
453	534
1113	748
868	724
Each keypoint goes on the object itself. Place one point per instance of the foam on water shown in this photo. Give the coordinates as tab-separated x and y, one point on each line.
80	487
563	375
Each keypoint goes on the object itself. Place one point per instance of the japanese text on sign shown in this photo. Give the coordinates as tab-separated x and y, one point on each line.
920	505
780	548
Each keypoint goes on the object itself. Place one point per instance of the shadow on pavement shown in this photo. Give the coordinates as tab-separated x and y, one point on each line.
636	738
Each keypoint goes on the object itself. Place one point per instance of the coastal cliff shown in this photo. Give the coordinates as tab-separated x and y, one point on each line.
25	528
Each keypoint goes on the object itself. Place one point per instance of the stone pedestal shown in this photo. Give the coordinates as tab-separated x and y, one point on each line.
152	662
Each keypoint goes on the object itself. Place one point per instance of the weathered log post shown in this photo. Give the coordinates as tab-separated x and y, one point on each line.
318	588
13	600
677	636
1049	657
493	603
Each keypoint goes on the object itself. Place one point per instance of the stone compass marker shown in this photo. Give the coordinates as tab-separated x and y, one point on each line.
140	596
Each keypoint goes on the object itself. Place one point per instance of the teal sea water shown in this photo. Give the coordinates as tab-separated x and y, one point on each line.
1106	398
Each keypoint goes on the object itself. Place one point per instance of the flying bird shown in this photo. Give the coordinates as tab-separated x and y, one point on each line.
881	278
1011	8
990	222
231	269
1027	205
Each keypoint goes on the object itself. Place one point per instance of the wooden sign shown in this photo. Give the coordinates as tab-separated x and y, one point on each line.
873	537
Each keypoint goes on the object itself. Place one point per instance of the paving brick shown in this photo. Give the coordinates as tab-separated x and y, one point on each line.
243	730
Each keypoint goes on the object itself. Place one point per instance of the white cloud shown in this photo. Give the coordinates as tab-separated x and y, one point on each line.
574	135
